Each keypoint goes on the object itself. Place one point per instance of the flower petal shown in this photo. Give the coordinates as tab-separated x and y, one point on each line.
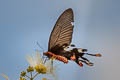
38	58
5	76
31	61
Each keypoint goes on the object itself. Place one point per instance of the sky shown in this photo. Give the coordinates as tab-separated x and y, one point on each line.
97	28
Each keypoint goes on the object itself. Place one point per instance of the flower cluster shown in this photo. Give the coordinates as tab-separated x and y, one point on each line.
41	69
37	66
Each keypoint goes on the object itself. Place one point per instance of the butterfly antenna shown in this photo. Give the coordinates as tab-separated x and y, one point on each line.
45	60
40	46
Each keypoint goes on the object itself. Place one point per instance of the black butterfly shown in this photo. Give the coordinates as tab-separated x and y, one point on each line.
60	41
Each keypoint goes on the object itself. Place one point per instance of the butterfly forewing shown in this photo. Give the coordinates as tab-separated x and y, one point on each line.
62	31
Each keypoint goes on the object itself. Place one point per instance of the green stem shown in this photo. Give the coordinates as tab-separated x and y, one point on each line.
52	65
31	78
31	74
27	76
35	75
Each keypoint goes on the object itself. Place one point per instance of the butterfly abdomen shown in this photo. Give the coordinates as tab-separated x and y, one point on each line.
61	58
57	57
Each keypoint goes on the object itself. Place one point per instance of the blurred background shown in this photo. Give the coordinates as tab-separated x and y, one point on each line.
97	28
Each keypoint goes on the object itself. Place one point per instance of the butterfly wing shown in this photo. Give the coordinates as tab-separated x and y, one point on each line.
62	31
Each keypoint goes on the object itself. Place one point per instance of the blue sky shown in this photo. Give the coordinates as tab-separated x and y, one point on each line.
97	28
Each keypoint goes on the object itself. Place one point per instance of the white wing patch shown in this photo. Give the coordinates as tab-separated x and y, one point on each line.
72	23
80	50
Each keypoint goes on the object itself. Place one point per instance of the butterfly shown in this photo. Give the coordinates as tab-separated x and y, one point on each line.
60	42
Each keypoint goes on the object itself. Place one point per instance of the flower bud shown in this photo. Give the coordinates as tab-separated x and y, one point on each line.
44	79
23	73
22	78
30	69
41	69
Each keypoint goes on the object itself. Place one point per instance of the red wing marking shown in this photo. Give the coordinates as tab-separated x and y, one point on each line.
73	57
80	64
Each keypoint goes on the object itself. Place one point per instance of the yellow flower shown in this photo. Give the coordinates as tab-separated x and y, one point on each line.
44	79
23	73
30	69
41	69
44	68
22	78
